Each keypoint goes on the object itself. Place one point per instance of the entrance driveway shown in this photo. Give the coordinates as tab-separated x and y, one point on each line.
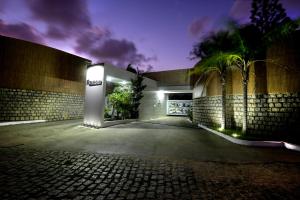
158	159
170	137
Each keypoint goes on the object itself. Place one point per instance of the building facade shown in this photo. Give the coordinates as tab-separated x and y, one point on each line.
273	94
39	82
42	83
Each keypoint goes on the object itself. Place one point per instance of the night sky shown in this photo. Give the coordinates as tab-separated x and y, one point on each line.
147	33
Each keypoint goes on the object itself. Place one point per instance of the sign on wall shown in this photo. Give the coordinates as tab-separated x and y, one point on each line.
93	82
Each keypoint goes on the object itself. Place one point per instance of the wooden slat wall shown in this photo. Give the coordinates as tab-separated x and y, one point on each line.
25	65
281	74
178	77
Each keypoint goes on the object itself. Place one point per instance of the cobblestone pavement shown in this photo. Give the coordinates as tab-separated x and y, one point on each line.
47	174
27	174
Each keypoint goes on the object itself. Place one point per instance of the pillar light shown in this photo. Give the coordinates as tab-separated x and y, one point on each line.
94	72
109	78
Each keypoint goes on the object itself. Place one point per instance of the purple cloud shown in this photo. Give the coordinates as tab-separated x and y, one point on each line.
240	10
21	31
200	26
56	33
70	19
62	17
99	44
91	39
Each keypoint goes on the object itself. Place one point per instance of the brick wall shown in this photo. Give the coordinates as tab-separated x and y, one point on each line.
267	113
16	104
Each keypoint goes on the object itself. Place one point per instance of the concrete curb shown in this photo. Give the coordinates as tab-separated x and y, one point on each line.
21	122
253	143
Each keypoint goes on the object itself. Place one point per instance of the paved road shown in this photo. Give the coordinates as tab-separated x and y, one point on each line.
47	174
163	138
160	159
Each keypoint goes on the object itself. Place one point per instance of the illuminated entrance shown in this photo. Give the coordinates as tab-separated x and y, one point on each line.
156	103
97	78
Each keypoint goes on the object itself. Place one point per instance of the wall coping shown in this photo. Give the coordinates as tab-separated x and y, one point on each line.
254	95
253	143
21	122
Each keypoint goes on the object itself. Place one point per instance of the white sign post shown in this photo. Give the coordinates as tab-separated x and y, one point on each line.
95	96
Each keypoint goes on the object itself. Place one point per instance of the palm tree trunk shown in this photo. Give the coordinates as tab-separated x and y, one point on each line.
223	120
245	105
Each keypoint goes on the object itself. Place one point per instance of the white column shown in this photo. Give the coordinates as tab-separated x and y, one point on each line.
95	96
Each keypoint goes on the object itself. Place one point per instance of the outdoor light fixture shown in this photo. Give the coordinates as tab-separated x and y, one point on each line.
109	78
94	73
235	135
221	129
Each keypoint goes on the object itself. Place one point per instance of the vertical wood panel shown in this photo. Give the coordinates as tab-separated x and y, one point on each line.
27	65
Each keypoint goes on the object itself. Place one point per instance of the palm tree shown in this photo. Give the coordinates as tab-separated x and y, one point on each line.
211	51
251	48
243	64
216	63
241	48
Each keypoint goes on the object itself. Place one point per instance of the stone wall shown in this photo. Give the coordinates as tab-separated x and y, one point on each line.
17	104
267	113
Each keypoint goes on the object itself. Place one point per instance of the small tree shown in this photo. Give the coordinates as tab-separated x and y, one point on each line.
131	69
218	63
212	52
137	90
267	15
249	50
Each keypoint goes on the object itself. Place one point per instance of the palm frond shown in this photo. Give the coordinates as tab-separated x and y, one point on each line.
217	62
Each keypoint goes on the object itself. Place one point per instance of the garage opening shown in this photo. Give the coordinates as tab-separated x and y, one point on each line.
179	104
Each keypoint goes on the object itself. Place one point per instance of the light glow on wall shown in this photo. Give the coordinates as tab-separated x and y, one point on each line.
124	82
160	95
117	80
109	78
94	73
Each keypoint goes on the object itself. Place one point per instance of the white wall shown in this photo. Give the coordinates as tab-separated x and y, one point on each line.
94	97
119	73
153	105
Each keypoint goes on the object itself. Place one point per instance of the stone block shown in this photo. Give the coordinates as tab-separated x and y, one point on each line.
29	104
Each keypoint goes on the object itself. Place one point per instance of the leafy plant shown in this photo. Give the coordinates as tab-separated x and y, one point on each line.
211	51
107	112
137	90
121	100
249	42
190	114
